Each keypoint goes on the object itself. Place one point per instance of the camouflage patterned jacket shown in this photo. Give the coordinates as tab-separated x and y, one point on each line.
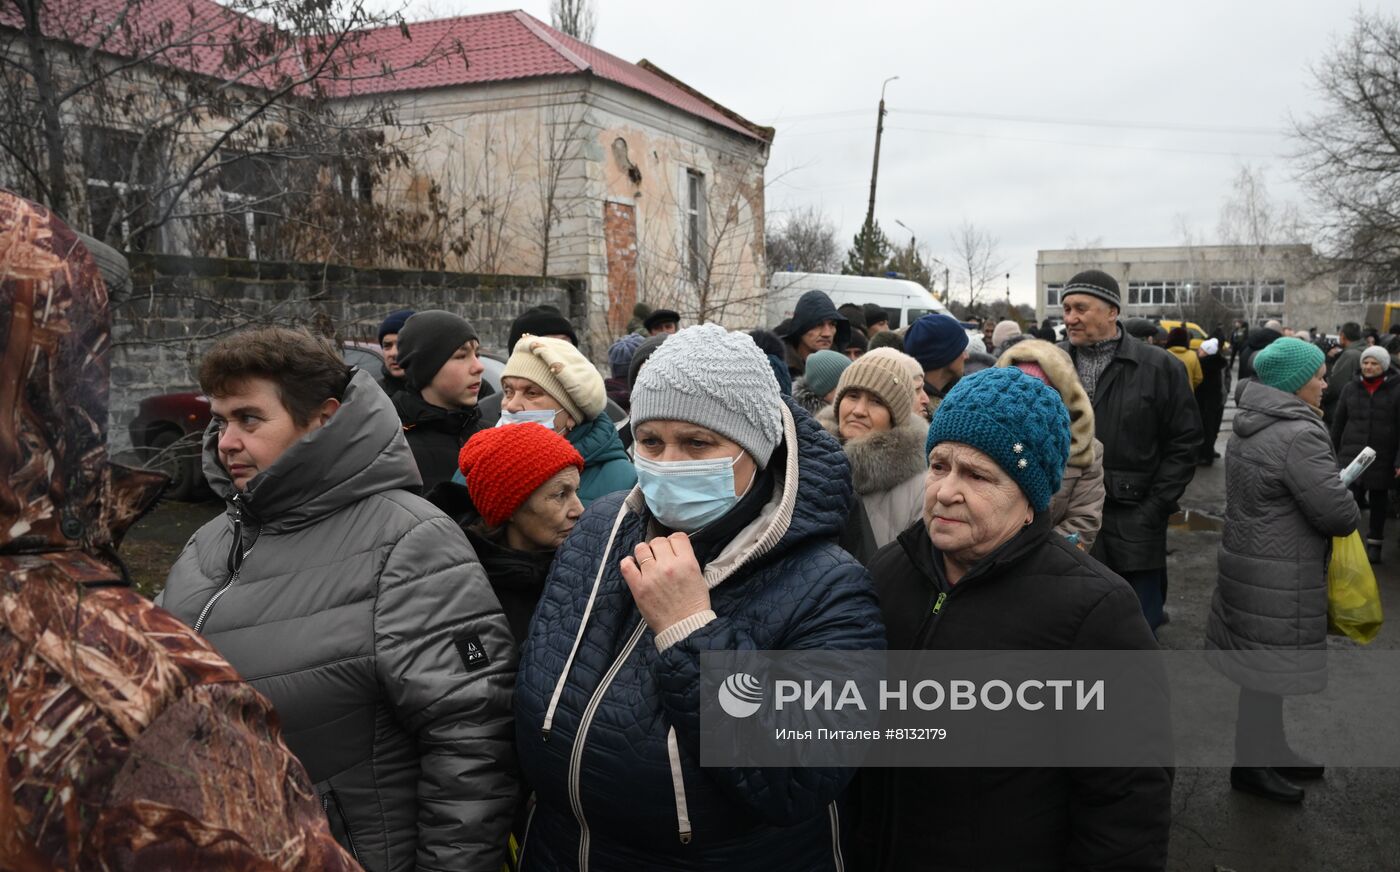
132	744
128	742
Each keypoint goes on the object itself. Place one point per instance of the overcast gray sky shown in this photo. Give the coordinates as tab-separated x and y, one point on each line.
1115	119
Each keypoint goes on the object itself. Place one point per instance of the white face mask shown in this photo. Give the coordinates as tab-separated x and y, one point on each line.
543	417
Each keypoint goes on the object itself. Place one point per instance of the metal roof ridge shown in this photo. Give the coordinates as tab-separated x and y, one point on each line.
542	33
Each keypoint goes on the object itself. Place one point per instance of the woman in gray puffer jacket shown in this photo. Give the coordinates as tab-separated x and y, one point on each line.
1284	502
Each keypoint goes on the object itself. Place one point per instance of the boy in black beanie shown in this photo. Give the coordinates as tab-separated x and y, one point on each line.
438	352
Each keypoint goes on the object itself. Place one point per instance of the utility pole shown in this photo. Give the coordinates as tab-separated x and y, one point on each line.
874	174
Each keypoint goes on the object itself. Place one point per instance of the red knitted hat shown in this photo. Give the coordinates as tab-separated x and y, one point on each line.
504	465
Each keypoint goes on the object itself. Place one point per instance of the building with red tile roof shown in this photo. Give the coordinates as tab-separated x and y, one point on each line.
543	154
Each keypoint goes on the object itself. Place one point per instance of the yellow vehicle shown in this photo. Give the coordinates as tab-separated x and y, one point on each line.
1383	316
1197	334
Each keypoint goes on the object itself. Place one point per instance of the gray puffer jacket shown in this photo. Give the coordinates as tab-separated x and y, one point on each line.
361	612
1283	504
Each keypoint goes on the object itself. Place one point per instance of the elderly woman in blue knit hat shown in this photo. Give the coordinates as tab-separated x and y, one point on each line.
986	571
1284	502
726	543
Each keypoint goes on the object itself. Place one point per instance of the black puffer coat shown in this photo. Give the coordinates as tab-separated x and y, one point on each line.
435	435
1037	592
1146	417
1364	419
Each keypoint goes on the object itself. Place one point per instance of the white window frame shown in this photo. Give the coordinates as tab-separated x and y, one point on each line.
693	230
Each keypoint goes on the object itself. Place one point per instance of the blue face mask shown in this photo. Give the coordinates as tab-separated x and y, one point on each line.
543	417
686	495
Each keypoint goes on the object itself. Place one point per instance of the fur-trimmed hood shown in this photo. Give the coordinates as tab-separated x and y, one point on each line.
884	460
806	398
1065	379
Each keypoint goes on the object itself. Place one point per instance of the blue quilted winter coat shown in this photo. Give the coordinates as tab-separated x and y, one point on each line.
617	780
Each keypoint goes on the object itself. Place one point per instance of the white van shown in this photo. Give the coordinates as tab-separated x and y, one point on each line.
904	301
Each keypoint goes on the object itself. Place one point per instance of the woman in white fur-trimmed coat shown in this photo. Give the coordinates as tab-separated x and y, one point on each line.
1076	510
873	418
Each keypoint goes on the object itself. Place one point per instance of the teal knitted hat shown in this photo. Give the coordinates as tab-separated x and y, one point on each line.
1013	418
824	370
1288	363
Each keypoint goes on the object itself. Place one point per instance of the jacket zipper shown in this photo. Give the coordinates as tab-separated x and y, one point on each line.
525	837
931	619
837	859
235	563
326	802
576	758
199	624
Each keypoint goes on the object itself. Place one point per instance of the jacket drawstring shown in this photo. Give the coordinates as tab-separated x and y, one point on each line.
578	638
673	751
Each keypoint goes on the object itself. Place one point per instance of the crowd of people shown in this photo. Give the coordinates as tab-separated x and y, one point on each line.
440	628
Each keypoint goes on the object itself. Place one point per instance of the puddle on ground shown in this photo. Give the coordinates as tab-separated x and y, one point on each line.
1195	522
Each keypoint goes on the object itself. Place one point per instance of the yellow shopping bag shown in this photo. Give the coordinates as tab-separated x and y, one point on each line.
1353	600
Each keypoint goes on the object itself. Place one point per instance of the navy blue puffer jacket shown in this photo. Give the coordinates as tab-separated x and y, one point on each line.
617	779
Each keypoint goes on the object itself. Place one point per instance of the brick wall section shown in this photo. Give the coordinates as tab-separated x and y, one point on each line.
620	236
181	305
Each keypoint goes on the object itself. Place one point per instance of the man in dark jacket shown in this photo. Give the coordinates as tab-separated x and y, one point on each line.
128	740
392	379
357	607
1343	368
1256	340
619	361
815	325
1147	420
661	321
540	321
939	344
1210	396
438	352
877	320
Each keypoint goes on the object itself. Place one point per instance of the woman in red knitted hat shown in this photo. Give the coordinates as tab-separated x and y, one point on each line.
523	481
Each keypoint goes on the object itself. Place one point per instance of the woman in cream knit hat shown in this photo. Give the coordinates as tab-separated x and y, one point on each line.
549	382
873	418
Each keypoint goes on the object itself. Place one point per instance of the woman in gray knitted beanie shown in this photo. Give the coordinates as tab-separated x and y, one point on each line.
724	545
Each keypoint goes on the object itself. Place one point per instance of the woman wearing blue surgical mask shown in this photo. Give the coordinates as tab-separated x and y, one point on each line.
725	544
549	382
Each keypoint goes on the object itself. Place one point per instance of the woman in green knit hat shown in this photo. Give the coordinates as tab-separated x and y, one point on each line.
1284	502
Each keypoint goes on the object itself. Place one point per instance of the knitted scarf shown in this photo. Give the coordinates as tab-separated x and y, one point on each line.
1092	360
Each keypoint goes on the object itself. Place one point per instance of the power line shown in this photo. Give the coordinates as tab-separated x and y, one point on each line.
1174	127
1155	148
1167	126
